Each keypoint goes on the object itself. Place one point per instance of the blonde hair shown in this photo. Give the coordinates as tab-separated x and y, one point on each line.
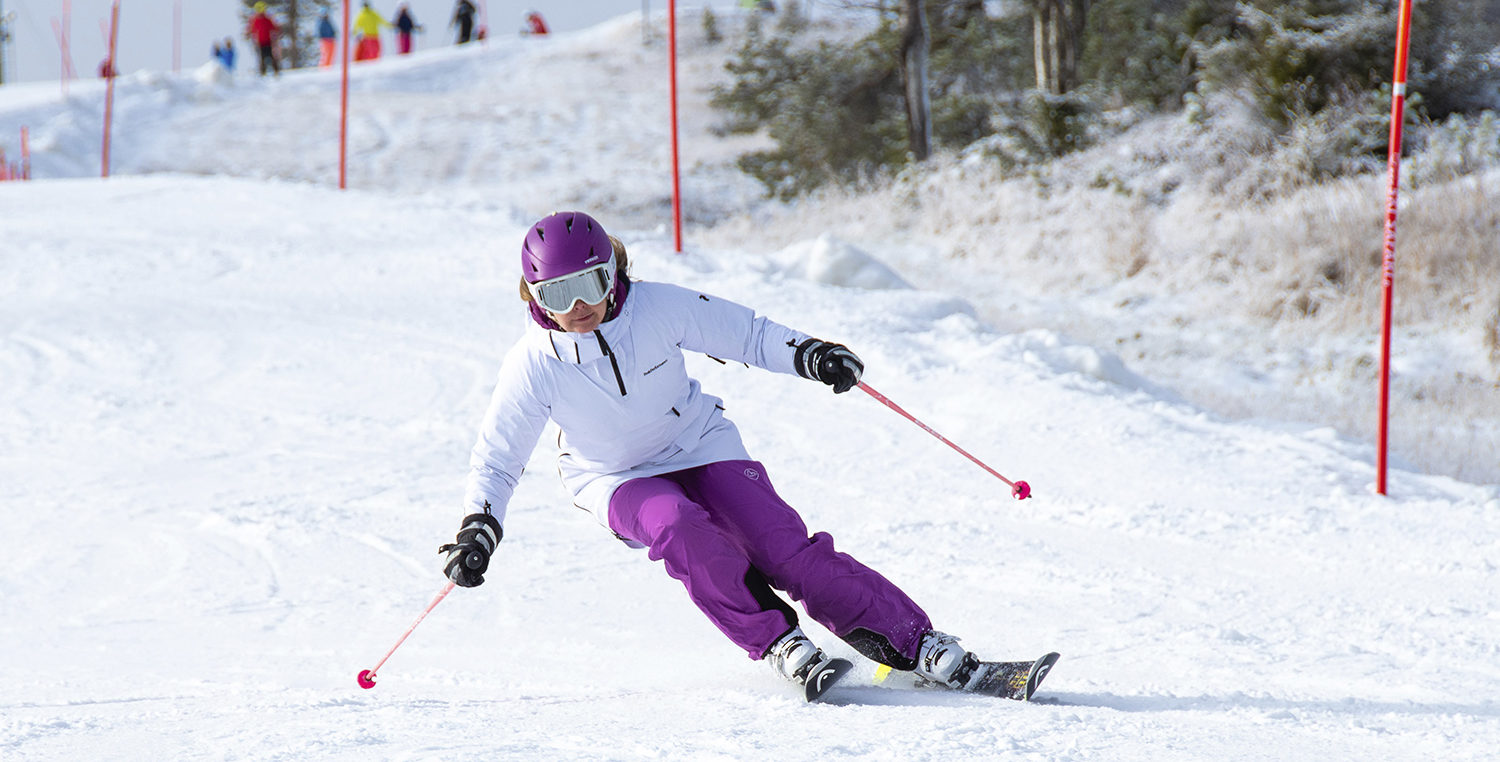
622	261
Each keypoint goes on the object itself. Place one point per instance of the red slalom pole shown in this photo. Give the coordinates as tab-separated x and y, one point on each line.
344	105
367	677
177	37
1019	489
1388	262
676	173
109	87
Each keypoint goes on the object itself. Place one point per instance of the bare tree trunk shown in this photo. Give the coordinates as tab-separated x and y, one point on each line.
1057	39
1041	44
289	35
1077	17
914	67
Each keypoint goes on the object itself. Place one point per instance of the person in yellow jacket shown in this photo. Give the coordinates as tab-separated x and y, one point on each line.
367	24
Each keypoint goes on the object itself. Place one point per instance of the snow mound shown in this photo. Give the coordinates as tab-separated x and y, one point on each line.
1054	352
213	74
835	262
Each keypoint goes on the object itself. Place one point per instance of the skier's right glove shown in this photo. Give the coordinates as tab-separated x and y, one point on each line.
833	364
469	556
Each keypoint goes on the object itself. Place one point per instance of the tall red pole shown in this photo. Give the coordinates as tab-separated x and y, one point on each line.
69	70
676	175
109	79
1388	264
177	37
25	155
61	29
344	106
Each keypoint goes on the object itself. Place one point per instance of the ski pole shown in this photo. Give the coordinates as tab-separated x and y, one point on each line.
367	677
1020	489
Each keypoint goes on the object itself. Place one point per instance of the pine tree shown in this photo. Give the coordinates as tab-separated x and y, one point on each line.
839	113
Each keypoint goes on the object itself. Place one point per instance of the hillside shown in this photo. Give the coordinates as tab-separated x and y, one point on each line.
239	404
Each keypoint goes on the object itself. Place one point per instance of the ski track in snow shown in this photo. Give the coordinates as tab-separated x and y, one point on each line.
237	417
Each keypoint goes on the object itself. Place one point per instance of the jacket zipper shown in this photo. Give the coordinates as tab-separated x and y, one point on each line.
604	347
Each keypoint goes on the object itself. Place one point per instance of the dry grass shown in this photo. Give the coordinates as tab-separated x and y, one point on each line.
1214	227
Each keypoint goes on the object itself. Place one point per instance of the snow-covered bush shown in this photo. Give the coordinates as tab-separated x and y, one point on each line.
837	110
1457	147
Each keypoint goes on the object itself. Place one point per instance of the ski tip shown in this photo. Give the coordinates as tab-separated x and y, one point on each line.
366	679
820	682
1039	671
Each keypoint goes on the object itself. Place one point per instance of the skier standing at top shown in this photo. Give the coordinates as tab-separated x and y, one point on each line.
368	24
404	26
227	54
463	17
327	40
263	30
655	460
534	23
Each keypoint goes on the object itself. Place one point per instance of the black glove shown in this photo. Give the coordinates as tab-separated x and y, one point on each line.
833	364
470	555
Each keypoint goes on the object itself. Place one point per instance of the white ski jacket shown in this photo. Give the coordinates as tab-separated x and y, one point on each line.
621	396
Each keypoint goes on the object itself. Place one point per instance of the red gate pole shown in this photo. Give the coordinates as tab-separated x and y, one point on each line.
676	174
1388	263
177	37
60	28
111	72
344	106
25	155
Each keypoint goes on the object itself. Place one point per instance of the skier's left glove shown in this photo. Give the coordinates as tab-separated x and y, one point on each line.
833	364
469	557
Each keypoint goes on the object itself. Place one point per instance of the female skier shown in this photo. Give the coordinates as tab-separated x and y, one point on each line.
655	459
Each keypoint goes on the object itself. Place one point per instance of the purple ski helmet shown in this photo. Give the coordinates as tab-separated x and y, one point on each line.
563	243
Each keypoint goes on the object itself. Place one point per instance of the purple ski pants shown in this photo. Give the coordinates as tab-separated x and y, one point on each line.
722	530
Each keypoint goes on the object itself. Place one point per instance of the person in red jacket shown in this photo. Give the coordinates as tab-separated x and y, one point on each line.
263	30
534	24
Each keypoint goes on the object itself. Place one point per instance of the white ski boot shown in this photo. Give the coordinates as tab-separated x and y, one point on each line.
795	658
943	661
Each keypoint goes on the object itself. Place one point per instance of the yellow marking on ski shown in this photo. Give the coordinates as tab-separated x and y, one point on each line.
881	673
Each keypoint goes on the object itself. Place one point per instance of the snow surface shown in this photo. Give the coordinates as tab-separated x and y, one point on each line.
238	405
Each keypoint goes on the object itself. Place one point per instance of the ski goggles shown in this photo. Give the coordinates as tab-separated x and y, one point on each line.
591	286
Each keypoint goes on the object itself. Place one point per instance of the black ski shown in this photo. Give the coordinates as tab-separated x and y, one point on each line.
824	677
1004	679
1013	679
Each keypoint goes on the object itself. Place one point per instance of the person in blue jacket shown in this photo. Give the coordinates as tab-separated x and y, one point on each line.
226	53
327	40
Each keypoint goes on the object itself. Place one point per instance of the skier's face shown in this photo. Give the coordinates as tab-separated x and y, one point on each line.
582	318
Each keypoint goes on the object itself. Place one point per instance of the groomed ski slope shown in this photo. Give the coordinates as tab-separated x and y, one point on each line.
235	426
